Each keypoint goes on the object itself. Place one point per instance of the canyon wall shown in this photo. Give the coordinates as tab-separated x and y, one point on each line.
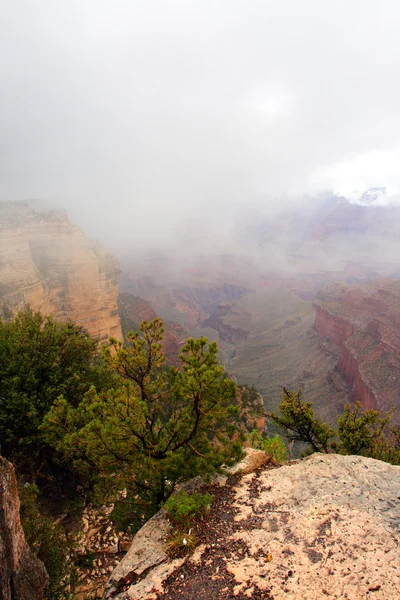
47	262
22	575
364	322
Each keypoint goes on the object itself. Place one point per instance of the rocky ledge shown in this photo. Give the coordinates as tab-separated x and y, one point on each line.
327	526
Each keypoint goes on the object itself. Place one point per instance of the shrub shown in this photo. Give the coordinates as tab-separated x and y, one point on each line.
130	513
274	446
181	543
50	544
301	423
182	507
85	561
40	360
360	432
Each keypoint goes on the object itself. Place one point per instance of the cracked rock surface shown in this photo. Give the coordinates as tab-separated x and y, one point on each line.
324	527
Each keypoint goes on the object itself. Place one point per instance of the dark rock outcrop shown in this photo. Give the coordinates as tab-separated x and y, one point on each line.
22	575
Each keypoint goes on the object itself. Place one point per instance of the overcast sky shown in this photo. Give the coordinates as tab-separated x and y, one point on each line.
122	110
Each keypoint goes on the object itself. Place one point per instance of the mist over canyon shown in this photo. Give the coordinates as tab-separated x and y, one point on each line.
297	299
175	171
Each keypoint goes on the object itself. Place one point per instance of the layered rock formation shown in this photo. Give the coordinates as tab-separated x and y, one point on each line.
22	575
323	527
364	323
46	262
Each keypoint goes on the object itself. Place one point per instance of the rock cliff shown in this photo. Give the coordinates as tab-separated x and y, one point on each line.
22	575
46	262
322	527
364	323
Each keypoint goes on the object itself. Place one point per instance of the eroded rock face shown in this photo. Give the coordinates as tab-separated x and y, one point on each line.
364	321
47	262
324	527
22	575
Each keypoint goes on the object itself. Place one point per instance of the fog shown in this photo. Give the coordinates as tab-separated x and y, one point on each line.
148	118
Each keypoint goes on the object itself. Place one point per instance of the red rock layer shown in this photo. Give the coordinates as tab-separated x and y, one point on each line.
365	322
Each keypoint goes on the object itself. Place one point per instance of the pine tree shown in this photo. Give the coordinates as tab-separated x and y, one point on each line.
162	426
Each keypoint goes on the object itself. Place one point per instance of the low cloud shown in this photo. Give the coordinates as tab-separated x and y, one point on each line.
138	116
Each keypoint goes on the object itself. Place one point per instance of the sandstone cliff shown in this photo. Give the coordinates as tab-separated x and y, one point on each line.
22	575
364	323
47	262
322	527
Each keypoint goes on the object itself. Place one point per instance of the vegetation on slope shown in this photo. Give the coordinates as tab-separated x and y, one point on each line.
162	426
121	422
366	433
41	359
127	427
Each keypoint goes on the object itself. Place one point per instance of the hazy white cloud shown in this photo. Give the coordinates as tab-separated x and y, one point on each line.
376	170
136	114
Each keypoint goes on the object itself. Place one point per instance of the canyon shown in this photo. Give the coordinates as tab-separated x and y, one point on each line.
273	303
322	314
364	322
46	262
280	318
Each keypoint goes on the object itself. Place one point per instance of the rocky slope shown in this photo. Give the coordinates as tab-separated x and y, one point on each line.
281	348
322	527
363	323
47	262
22	575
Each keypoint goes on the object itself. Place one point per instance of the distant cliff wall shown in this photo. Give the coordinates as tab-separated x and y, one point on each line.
47	262
364	321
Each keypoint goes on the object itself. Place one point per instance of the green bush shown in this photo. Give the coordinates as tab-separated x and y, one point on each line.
361	432
162	425
85	561
50	544
40	360
130	513
274	446
182	507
